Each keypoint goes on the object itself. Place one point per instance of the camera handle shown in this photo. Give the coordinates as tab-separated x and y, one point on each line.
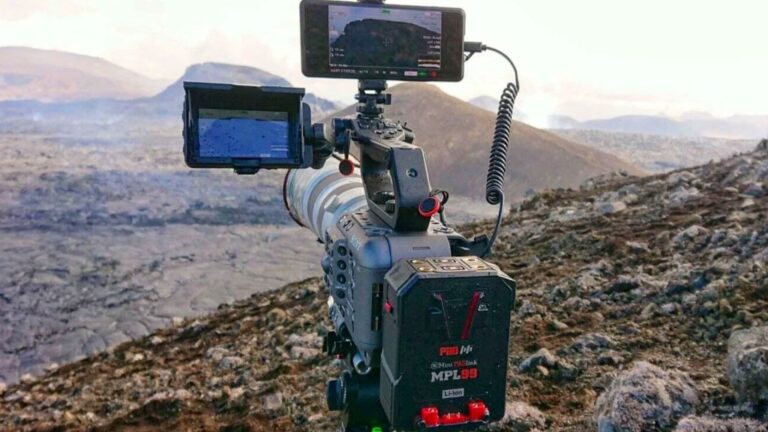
393	170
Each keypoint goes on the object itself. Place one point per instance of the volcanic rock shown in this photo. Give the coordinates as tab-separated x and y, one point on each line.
645	398
711	424
748	363
521	417
583	272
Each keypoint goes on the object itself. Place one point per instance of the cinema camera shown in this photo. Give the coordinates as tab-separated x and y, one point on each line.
421	320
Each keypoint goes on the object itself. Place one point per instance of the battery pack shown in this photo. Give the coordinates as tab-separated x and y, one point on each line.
445	343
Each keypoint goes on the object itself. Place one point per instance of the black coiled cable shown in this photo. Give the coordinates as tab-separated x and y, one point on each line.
497	162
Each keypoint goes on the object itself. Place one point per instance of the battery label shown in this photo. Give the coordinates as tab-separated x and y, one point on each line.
453	393
454	375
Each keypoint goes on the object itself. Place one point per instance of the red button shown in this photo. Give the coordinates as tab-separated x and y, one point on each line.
388	307
430	416
346	167
477	411
429	207
453	419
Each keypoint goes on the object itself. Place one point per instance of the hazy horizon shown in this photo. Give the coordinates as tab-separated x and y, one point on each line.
589	60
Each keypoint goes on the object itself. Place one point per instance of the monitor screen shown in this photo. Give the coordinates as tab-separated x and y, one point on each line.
383	37
381	41
243	134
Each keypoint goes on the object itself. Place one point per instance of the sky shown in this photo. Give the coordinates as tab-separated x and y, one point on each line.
586	58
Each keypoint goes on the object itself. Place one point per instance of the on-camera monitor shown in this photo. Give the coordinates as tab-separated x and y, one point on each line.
243	134
367	41
243	127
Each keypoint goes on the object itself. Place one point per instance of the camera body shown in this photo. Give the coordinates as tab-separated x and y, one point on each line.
420	321
421	324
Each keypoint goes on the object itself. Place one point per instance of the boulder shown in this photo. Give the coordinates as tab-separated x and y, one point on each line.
645	398
273	401
298	352
592	342
542	361
755	190
692	234
610	207
231	362
711	424
748	364
762	146
541	357
521	417
682	195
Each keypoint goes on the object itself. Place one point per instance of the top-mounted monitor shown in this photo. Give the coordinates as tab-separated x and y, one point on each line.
381	41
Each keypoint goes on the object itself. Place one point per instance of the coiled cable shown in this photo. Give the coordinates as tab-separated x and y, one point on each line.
497	161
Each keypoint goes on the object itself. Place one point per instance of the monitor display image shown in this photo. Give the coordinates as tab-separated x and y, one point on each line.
243	134
384	37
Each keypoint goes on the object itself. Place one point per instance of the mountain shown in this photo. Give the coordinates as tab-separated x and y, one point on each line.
658	153
491	104
696	124
562	122
456	137
640	124
218	73
679	269
162	106
486	102
170	100
56	76
734	127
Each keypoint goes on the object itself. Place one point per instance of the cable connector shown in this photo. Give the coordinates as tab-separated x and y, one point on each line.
472	48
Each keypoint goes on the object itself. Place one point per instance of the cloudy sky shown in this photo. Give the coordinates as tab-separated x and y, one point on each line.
586	58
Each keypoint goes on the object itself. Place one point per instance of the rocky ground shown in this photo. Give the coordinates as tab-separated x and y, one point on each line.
642	306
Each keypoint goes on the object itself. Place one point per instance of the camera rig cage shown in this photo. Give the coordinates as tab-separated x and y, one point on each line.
420	319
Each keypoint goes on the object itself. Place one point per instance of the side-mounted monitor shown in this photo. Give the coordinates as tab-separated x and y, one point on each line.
243	127
381	41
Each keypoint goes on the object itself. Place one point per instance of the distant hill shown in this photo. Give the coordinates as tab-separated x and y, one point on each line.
165	105
734	127
218	73
639	124
169	100
658	153
56	76
562	122
687	125
485	102
457	138
491	104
